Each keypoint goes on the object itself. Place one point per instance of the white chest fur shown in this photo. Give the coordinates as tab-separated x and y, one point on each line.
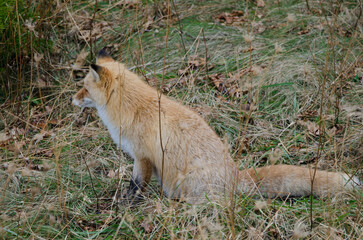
114	130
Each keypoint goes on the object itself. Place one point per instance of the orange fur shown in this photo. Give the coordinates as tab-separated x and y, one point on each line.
196	162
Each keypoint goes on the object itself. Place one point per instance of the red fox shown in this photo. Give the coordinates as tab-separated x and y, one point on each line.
196	162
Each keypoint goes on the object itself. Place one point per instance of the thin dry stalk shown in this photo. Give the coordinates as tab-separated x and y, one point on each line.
159	93
92	185
206	55
308	5
62	201
92	42
180	27
321	120
19	60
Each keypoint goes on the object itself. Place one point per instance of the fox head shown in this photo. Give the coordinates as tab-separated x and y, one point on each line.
95	91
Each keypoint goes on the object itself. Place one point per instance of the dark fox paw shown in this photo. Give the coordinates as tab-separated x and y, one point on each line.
131	199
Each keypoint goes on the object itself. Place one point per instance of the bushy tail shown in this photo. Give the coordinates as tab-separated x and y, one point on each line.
292	181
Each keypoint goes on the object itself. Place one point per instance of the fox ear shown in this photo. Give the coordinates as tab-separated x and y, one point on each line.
95	70
103	56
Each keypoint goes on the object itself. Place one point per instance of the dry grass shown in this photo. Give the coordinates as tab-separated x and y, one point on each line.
296	75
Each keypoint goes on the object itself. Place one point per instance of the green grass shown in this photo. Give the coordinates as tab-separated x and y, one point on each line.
61	186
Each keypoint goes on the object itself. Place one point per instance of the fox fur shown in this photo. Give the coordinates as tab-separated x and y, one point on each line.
196	162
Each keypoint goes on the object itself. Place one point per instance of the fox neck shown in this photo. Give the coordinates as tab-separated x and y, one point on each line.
125	111
118	118
117	131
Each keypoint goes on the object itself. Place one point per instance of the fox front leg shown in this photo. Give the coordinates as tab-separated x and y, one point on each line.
141	176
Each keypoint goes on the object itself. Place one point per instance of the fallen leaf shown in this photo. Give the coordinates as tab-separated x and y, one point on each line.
87	224
258	27
218	81
52	220
25	172
29	24
312	127
39	136
260	3
175	83
319	26
195	63
11	168
131	3
294	148
275	155
247	107
40	167
37	58
291	17
278	48
53	121
81	58
223	99
147	226
4	166
232	18
308	114
48	109
227	85
158	207
18	146
98	30
248	38
84	28
105	222
153	81
44	152
183	72
256	70
149	24
260	205
4	137
302	32
111	174
248	49
4	217
40	124
41	83
45	167
20	131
